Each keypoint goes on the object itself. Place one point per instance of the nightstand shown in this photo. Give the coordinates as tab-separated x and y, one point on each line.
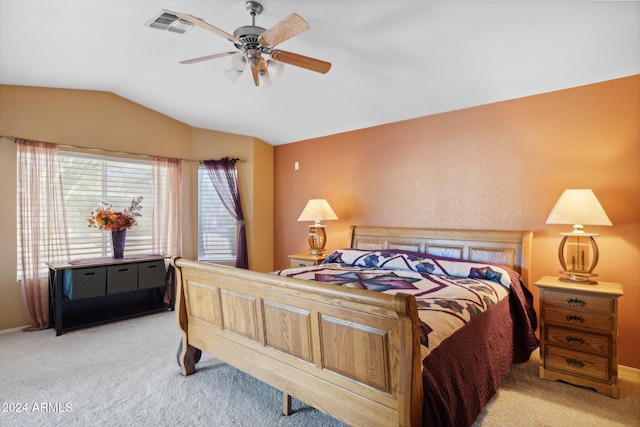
306	260
579	333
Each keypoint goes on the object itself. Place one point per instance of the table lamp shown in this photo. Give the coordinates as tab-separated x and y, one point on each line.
578	251
317	210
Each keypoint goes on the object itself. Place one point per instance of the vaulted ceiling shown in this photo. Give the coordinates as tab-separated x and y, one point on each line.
391	60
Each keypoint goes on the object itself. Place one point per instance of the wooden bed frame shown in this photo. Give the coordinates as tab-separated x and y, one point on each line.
351	353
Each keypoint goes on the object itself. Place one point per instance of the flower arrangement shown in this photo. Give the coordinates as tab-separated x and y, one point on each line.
106	219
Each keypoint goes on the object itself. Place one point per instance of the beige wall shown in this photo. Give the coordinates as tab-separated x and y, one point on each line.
255	177
498	166
107	121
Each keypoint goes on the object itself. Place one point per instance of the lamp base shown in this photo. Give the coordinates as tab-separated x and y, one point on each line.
317	239
582	277
576	246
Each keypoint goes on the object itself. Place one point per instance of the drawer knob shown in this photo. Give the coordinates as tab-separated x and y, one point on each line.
572	318
574	340
576	301
575	363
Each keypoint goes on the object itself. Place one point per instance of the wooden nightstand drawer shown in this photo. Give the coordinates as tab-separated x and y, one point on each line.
296	262
579	302
306	260
578	340
577	319
576	362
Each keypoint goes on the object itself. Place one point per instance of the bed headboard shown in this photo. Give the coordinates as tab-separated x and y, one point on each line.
510	248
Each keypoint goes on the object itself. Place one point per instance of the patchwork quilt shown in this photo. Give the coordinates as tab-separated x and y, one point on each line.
449	293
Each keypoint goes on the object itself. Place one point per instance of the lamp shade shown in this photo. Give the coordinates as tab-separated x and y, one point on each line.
233	74
263	79
275	68
238	61
578	207
317	210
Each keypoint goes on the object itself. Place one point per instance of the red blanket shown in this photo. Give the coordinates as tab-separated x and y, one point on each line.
464	372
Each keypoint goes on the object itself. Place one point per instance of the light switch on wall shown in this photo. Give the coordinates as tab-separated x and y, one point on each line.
296	166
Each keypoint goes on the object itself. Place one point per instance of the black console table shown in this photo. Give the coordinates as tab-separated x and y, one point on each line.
94	291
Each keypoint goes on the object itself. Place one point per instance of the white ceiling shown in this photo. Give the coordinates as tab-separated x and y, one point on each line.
392	60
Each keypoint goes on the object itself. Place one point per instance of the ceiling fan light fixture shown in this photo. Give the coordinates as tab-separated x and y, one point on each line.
238	61
264	79
233	74
252	42
275	68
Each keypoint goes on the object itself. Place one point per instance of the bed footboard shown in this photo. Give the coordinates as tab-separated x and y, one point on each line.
350	353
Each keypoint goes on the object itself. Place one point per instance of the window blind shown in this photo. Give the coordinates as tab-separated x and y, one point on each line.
87	181
217	232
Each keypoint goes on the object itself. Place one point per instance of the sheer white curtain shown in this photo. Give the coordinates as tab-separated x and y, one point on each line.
42	226
167	212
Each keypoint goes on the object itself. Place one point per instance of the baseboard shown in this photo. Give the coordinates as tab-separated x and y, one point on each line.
8	331
629	373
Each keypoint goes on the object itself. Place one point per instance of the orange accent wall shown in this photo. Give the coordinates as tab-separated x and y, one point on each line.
497	166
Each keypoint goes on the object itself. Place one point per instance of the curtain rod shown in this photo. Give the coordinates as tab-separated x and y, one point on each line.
14	139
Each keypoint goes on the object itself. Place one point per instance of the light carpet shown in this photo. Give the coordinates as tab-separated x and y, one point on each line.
125	373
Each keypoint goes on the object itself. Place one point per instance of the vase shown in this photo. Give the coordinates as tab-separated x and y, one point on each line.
117	242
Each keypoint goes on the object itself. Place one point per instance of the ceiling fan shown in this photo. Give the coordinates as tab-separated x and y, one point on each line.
252	42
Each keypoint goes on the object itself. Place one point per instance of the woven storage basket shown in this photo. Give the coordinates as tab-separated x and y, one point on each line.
151	274
122	278
88	282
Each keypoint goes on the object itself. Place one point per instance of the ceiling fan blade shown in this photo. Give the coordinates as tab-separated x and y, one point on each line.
301	61
255	72
199	22
206	58
290	26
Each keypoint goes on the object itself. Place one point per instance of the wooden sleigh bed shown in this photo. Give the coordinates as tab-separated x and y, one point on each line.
356	354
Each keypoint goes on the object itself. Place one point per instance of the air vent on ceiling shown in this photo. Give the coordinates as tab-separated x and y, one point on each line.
165	20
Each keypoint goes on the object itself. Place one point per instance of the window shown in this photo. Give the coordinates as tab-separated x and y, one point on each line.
85	181
217	233
88	180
